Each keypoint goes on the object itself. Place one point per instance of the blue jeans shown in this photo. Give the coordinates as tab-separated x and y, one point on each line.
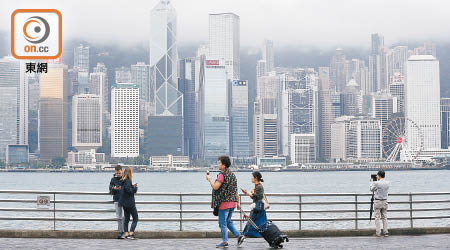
225	222
133	212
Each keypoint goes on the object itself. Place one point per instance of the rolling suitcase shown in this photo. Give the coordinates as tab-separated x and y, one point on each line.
270	232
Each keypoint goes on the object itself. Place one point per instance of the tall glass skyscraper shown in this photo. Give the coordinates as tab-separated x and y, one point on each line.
192	81
166	115
140	75
81	65
216	113
299	105
53	112
164	61
224	41
13	104
240	146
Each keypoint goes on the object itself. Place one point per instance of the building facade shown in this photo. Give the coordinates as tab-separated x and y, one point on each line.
240	141
86	121
124	120
53	112
13	103
224	41
422	102
216	120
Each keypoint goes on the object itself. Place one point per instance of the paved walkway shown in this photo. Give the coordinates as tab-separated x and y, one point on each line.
366	243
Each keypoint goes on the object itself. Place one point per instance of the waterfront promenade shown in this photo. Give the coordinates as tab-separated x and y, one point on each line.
438	241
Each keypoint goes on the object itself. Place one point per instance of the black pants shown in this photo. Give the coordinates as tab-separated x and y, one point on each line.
127	212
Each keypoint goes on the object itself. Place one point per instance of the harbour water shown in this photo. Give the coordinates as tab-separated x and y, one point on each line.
274	182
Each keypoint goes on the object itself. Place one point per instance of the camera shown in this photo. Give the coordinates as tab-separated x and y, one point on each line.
374	177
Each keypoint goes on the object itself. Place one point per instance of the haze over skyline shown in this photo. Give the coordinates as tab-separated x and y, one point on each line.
315	24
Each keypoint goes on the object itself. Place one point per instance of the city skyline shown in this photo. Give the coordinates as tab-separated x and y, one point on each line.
202	106
310	17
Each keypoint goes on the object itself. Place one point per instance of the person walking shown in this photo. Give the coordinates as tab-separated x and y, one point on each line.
128	203
225	198
114	190
258	213
380	190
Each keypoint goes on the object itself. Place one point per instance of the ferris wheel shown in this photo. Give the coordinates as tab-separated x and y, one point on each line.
397	143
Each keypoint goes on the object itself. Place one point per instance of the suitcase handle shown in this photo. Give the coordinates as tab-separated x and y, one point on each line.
250	220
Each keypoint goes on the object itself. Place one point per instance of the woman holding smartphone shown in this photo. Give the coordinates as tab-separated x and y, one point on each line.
128	203
258	214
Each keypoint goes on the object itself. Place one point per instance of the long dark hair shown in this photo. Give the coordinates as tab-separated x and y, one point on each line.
258	176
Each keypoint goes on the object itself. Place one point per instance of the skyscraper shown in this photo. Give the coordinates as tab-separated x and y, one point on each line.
224	41
377	64
192	83
261	68
422	102
124	120
239	119
53	112
216	120
338	70
13	103
99	80
266	124
325	113
100	85
299	104
86	121
81	65
164	61
166	118
383	106
140	75
267	55
81	58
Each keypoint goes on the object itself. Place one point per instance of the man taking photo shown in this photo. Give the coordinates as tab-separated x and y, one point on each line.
380	190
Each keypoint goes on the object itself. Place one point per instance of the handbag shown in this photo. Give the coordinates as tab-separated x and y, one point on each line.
266	202
216	211
260	205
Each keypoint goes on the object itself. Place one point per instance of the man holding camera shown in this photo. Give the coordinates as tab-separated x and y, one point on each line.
380	189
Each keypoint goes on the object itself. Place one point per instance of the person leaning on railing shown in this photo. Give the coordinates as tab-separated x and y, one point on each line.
380	190
114	189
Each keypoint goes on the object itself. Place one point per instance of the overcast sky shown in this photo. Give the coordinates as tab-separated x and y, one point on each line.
298	23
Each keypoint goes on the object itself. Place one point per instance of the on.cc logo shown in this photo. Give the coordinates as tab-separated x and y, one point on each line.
36	29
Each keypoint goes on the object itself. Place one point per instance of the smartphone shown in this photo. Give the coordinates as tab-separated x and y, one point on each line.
374	177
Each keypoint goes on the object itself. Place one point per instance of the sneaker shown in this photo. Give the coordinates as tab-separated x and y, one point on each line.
386	234
131	237
120	236
378	235
222	245
240	240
